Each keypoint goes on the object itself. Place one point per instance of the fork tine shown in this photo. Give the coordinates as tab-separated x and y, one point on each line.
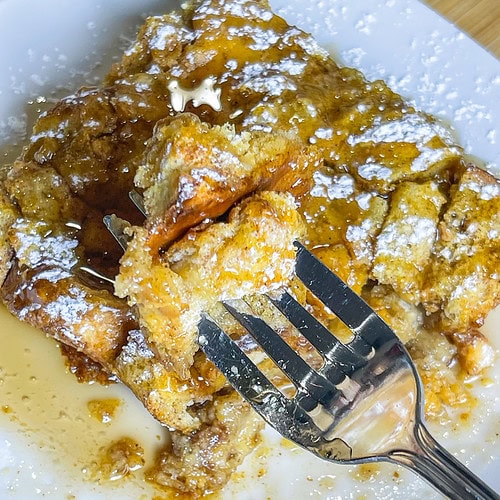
116	227
233	362
290	363
338	354
96	274
137	199
370	330
289	419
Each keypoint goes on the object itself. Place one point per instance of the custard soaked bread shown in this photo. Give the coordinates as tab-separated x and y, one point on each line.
281	144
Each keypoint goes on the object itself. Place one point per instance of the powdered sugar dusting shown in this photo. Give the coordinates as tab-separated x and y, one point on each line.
399	239
365	23
373	170
485	191
413	128
359	235
332	187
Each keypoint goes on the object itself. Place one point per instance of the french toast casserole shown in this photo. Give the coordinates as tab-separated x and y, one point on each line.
242	135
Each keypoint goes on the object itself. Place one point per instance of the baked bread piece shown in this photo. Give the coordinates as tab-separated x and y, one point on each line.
252	252
463	279
193	171
204	462
406	241
348	150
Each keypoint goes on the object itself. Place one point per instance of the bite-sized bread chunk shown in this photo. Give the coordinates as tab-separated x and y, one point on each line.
405	318
204	461
194	171
464	277
167	397
252	252
474	351
405	243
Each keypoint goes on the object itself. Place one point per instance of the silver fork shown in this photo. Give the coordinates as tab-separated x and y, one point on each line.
364	404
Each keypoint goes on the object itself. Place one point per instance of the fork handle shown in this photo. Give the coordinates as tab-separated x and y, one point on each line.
433	463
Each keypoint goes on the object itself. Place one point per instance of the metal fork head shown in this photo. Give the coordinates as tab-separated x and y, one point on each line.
359	406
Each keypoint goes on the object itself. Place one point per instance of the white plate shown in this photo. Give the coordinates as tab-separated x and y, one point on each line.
47	437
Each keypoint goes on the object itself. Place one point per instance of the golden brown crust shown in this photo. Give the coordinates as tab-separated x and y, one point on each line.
85	369
193	171
8	215
166	396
